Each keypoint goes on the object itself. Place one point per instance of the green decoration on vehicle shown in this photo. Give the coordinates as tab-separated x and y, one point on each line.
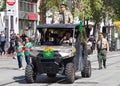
80	27
48	53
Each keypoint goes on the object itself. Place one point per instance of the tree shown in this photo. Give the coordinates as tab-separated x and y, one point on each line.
3	5
82	9
96	7
116	6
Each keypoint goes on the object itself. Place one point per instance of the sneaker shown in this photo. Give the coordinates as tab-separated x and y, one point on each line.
14	57
21	68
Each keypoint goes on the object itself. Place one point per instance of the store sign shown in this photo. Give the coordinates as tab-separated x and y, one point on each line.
11	2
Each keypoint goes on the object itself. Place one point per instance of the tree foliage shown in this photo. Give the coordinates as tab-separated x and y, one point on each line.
3	5
82	9
116	6
96	10
49	5
96	7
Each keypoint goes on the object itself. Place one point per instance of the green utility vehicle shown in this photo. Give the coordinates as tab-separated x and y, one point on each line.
51	55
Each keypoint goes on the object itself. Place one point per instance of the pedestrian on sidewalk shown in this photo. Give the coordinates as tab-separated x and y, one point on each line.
11	49
2	41
102	48
20	54
93	41
27	48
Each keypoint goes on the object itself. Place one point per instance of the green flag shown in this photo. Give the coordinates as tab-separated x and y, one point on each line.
80	26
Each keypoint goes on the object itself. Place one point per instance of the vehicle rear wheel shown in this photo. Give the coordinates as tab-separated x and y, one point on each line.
70	72
30	76
51	75
86	72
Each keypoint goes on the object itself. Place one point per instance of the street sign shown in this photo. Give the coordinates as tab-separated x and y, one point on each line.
11	7
11	2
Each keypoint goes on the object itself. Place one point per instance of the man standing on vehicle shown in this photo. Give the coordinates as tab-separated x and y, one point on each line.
102	48
64	17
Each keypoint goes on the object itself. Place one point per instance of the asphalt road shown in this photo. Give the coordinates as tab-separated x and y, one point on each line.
11	76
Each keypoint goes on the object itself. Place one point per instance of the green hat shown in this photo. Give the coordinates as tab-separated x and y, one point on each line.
63	5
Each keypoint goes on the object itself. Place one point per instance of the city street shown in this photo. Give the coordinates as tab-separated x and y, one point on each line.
54	32
11	76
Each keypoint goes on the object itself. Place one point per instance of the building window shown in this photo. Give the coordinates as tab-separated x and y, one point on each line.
27	6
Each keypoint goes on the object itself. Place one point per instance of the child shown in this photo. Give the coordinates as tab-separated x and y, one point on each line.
27	48
20	54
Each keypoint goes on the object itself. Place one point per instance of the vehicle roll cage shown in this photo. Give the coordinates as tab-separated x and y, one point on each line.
58	26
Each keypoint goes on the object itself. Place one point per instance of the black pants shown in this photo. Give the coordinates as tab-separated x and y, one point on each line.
3	47
11	48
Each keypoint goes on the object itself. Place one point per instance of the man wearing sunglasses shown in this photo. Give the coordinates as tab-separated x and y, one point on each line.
64	16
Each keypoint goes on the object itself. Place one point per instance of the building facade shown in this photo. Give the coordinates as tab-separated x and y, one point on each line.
21	17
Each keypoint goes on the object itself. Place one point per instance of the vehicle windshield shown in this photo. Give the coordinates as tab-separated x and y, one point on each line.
56	37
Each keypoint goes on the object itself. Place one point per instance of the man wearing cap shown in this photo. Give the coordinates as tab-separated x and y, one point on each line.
102	48
64	17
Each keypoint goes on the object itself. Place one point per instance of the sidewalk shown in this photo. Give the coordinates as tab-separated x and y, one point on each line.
93	57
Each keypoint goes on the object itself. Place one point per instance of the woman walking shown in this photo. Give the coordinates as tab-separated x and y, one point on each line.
3	41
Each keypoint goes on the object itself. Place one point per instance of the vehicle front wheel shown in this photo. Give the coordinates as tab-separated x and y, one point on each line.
30	76
86	72
70	72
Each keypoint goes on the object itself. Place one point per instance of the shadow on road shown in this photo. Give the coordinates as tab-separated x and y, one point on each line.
44	79
8	68
20	79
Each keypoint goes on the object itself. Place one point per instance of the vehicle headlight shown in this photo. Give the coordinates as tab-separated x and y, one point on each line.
64	53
